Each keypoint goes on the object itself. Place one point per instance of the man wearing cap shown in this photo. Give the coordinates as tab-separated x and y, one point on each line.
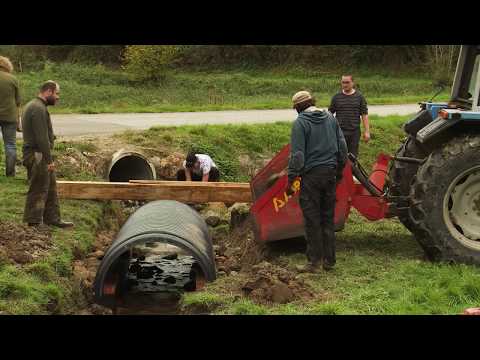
318	156
349	105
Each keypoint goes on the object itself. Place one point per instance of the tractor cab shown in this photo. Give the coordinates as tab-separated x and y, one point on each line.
466	86
464	105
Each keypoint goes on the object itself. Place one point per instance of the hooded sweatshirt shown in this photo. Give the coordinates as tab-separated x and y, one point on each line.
316	141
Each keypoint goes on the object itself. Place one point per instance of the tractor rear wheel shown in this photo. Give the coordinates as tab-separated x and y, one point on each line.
401	177
445	202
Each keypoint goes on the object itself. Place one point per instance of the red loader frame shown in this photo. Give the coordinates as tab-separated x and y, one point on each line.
277	216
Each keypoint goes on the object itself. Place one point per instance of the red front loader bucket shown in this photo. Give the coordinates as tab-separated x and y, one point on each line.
277	216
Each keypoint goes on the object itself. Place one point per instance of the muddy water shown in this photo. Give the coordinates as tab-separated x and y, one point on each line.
155	284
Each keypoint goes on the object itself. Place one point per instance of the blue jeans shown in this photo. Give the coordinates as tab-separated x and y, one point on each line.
9	132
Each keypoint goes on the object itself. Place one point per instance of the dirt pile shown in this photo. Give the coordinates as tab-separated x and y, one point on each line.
237	250
85	270
167	167
265	279
271	283
20	244
74	162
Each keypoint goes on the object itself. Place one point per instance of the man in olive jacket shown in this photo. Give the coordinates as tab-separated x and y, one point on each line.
318	156
9	113
42	200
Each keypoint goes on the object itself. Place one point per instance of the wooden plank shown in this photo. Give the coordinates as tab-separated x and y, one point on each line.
188	192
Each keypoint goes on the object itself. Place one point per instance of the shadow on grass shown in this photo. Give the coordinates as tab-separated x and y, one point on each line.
381	239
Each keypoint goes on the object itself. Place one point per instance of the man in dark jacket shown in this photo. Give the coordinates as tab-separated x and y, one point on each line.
318	156
38	140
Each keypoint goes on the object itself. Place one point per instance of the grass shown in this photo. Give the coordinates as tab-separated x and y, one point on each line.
97	89
46	286
380	266
226	143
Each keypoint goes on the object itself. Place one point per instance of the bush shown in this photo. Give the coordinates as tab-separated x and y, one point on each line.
149	62
32	57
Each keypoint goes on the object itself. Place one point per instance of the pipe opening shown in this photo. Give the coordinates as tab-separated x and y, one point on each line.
130	166
151	278
161	252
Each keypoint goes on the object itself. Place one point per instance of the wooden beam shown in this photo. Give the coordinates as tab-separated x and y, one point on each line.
188	192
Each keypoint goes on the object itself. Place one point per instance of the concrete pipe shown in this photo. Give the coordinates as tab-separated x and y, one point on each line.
166	222
128	165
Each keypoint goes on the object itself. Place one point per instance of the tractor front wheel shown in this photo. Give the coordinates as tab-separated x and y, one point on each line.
445	202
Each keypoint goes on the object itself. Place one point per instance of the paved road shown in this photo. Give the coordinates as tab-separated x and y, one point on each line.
103	124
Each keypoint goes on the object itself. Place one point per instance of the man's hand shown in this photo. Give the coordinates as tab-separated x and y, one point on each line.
290	189
366	136
19	125
51	167
188	175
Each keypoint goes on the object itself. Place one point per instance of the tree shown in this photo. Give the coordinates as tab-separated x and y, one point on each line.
149	62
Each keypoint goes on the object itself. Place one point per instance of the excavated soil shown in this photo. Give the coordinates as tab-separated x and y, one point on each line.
256	273
271	283
85	270
20	244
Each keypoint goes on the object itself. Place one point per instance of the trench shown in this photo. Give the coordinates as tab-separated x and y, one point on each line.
162	251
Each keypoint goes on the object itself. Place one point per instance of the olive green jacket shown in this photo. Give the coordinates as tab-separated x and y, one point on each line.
9	97
37	129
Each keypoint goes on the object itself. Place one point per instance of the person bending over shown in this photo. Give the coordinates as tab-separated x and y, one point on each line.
199	167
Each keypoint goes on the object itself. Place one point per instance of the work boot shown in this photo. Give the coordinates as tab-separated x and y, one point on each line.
62	224
309	268
328	267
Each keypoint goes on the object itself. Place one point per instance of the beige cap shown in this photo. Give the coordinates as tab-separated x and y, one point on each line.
300	97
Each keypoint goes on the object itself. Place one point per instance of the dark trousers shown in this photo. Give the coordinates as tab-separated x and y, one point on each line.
42	200
9	133
214	175
317	200
353	140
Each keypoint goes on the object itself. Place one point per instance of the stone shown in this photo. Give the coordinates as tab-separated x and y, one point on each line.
212	219
170	280
231	251
281	293
199	207
171	257
99	254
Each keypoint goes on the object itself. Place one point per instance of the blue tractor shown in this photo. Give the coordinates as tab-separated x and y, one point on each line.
434	180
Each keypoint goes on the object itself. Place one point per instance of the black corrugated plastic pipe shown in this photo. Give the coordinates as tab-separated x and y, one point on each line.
166	221
130	165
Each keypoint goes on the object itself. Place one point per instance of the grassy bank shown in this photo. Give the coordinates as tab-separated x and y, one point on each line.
96	89
380	266
46	285
380	270
230	143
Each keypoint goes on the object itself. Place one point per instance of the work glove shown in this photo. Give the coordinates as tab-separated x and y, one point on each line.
290	190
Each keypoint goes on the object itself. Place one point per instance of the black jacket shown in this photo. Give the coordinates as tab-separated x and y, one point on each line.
317	140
